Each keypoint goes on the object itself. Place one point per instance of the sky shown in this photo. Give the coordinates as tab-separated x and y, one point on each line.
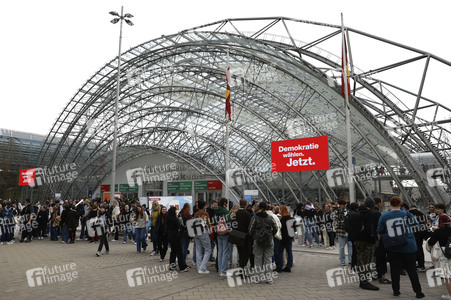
50	48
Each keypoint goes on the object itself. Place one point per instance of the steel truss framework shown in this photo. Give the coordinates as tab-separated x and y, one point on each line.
284	86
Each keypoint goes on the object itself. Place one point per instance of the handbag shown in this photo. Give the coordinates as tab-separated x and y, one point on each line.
237	237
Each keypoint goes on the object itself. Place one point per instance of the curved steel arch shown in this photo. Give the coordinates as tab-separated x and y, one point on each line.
195	56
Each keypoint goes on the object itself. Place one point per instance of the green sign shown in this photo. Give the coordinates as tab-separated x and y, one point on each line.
201	185
125	188
179	186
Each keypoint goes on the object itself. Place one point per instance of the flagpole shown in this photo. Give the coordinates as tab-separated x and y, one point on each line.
227	192
348	120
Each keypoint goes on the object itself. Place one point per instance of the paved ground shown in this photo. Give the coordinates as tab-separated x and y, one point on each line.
106	276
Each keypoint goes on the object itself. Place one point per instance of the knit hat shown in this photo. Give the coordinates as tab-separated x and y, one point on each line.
369	202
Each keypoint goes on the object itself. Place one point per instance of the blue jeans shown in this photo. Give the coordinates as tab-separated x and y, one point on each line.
276	250
83	228
185	244
230	252
127	232
282	247
64	233
310	227
342	241
140	238
203	250
222	253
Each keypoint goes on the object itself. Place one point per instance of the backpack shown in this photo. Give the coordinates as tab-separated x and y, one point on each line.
8	213
447	252
263	234
222	227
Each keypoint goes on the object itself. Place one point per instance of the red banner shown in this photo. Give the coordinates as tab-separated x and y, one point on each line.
306	154
26	177
104	188
214	185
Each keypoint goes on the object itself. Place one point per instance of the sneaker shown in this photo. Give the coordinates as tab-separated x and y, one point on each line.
301	245
107	251
134	243
98	253
185	270
124	243
328	248
311	246
222	274
139	252
446	297
396	293
203	272
343	263
63	242
423	269
79	239
384	280
153	253
269	281
8	243
1	243
160	260
368	286
113	240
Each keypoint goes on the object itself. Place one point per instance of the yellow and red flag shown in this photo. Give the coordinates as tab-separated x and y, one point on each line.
345	59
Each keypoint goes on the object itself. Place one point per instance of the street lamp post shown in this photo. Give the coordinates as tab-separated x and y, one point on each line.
117	18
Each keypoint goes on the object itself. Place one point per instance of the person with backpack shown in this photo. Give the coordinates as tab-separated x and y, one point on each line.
443	237
364	242
286	243
396	228
222	218
262	230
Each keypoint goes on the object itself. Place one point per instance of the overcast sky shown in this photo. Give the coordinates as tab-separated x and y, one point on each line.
50	48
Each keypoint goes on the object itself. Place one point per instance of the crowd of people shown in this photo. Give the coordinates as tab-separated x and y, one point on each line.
260	233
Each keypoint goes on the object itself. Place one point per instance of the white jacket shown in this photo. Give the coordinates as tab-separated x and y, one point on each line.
278	224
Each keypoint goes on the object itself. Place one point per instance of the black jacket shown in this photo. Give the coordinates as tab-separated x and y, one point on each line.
353	225
243	219
369	219
285	237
